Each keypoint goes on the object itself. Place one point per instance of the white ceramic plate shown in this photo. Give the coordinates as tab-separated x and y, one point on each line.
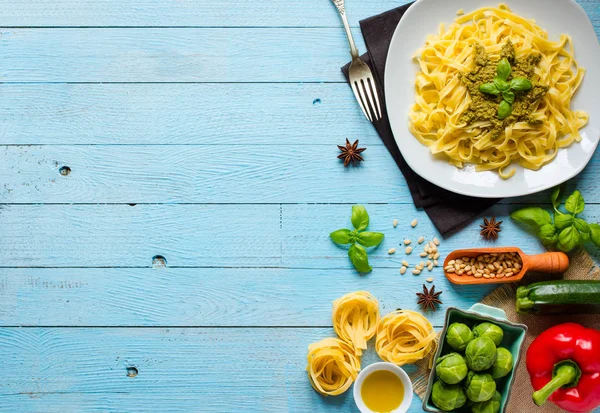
556	17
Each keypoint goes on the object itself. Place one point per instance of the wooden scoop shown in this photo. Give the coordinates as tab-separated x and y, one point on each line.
549	262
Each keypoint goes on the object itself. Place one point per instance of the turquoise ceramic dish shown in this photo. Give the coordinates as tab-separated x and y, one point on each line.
514	336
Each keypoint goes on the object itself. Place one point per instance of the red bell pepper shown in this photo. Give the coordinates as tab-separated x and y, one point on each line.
564	365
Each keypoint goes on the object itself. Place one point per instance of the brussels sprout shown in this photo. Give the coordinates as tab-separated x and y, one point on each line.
489	330
447	397
458	336
479	387
490	406
480	354
503	363
451	369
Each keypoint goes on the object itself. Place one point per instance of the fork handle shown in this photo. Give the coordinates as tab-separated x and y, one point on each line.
339	4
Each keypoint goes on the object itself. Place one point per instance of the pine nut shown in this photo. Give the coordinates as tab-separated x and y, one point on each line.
414	223
436	241
451	262
436	256
423	254
428	262
450	270
486	276
421	239
416	272
435	262
395	223
402	270
408	250
429	280
392	251
405	263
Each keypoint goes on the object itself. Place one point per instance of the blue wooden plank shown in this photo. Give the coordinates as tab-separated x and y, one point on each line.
212	174
179	370
123	13
205	296
219	235
237	114
174	55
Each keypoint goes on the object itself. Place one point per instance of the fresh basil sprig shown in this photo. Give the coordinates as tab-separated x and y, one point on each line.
563	231
501	86
359	239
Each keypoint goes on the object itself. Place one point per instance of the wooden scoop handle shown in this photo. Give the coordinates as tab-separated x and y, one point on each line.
549	262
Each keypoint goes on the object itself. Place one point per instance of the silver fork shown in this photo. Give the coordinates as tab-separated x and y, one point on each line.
361	77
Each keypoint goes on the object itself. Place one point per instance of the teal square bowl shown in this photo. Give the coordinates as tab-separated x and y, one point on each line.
514	336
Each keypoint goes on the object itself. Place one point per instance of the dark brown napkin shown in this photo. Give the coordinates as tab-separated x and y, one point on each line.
448	211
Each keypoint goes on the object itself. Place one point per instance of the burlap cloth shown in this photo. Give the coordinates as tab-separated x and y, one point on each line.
581	267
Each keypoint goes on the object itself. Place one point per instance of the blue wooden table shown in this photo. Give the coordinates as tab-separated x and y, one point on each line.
168	182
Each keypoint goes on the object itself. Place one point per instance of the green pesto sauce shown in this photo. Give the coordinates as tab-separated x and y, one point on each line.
484	107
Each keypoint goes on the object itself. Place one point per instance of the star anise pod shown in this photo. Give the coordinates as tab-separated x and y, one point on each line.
429	298
490	228
351	153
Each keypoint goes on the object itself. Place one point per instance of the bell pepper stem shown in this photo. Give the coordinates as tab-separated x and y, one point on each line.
564	375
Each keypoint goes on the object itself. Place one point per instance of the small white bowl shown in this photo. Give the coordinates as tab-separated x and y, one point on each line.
408	387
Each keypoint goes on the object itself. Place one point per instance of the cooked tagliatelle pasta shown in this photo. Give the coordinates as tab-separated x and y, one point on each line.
405	337
332	366
355	317
441	98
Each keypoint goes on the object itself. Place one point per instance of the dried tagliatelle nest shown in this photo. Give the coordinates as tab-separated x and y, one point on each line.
355	317
332	366
405	337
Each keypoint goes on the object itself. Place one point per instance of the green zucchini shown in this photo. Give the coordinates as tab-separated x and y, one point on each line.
559	297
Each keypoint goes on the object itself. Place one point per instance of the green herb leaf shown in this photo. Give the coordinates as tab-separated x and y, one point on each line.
504	110
555	197
568	239
595	234
501	84
360	217
509	97
575	203
581	225
504	69
489	88
520	84
548	235
563	221
370	239
534	217
359	258
341	236
585	237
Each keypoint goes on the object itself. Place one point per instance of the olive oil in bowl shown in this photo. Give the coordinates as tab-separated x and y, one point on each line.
383	388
